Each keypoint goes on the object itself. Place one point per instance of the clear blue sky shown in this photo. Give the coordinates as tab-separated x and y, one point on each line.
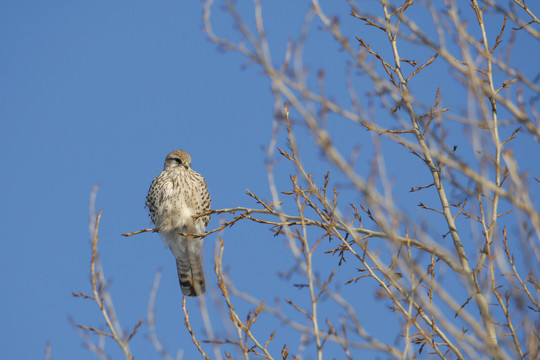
98	92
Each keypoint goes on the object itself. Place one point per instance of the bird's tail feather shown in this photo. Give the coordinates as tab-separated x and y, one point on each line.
190	274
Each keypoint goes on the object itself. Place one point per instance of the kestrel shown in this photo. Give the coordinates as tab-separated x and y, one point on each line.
175	195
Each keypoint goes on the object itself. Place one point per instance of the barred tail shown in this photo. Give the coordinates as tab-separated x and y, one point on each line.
190	274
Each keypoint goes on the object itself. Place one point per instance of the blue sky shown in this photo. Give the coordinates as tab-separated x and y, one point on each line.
98	92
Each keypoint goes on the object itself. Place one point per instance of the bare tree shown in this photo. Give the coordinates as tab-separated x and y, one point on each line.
455	264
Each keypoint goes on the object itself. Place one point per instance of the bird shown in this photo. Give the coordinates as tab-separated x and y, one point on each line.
175	196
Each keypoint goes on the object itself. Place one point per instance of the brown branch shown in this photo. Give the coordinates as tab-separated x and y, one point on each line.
190	330
100	295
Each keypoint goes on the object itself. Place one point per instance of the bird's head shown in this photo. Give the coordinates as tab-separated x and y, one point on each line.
178	158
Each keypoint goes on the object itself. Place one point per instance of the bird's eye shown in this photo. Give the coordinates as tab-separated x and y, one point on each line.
178	161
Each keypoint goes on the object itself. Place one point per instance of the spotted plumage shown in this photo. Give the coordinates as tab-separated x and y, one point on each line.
175	195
